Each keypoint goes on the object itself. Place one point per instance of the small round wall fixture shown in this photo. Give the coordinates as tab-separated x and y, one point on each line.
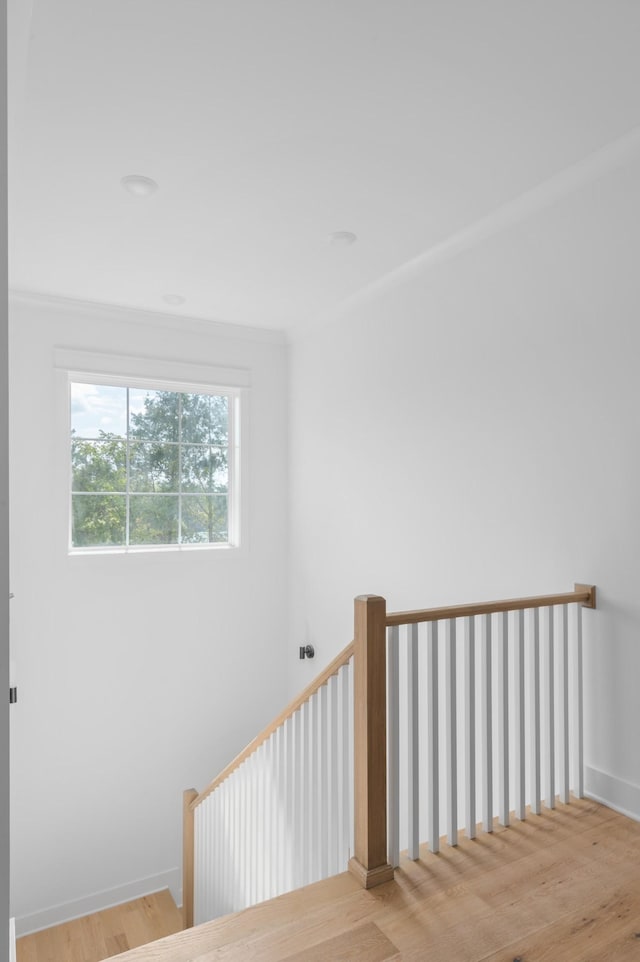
139	185
174	299
342	238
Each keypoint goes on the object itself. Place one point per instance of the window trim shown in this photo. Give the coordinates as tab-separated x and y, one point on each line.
155	374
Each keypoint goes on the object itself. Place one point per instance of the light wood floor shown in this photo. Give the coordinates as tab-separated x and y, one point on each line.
563	886
104	934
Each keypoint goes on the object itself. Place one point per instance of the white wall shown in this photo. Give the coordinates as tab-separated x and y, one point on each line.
139	675
472	432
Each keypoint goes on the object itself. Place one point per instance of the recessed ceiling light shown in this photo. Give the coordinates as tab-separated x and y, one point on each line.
342	238
173	299
138	185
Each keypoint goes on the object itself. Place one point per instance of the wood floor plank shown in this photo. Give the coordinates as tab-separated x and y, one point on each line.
105	934
600	929
365	943
290	934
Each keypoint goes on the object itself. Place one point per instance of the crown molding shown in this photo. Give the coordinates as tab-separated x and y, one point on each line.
122	314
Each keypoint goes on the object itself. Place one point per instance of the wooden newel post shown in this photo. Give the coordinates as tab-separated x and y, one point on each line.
369	863
187	857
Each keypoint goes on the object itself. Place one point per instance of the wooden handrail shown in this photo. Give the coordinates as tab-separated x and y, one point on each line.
332	668
584	594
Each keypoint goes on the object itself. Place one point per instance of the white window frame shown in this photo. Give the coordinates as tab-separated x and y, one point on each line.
155	374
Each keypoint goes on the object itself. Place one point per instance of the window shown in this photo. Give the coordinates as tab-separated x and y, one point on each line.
150	467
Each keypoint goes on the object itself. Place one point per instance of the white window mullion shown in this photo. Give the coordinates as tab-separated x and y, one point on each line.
232	493
179	469
127	499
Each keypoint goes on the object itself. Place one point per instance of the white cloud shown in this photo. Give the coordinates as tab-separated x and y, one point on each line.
96	407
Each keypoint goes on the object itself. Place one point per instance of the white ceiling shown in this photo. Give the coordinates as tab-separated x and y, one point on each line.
269	124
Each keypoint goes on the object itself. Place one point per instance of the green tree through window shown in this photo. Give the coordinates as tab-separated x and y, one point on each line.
149	467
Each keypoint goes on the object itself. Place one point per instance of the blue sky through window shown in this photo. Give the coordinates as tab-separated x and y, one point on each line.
103	407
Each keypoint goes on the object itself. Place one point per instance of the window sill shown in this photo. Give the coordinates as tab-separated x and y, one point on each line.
152	549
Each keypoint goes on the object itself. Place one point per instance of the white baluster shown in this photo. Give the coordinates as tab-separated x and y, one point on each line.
229	866
276	799
237	850
226	864
393	747
201	829
470	726
503	717
232	882
208	878
563	714
220	854
269	850
334	764
486	721
208	866
345	810
579	776
319	787
283	799
314	808
289	794
550	719
254	837
197	840
451	711
198	835
323	781
212	861
519	715
433	762
305	833
535	712
258	811
351	761
214	858
254	795
279	809
271	825
413	744
204	870
243	837
300	800
216	855
267	819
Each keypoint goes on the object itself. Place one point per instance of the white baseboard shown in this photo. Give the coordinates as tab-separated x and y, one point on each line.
12	940
66	911
622	796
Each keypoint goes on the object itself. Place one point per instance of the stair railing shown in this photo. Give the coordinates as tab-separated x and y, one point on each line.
496	688
322	782
280	815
